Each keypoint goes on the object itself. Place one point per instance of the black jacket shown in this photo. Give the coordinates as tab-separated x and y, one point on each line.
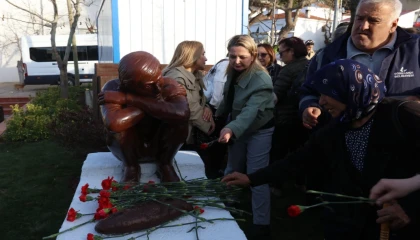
393	152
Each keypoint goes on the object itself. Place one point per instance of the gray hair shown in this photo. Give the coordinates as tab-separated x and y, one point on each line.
396	5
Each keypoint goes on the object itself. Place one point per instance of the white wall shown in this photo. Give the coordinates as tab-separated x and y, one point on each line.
158	26
10	30
305	29
407	20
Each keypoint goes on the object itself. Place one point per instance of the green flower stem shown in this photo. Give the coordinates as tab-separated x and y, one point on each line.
327	203
184	224
183	211
69	229
340	195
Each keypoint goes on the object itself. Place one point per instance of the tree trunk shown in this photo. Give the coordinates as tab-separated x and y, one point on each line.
74	45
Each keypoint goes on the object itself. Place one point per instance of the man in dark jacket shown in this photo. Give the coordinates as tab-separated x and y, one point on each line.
376	42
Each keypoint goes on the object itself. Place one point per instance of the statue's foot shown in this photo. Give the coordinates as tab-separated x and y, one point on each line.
131	174
168	174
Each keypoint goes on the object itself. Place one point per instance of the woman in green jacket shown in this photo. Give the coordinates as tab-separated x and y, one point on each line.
248	99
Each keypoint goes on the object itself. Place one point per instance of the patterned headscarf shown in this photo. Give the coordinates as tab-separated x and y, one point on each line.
351	83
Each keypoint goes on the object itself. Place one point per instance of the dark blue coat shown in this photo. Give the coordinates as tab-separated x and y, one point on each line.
400	70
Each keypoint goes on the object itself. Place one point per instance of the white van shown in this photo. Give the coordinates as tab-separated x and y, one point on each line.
40	65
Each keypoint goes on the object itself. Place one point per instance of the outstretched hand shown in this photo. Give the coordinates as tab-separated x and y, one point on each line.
112	97
390	189
236	178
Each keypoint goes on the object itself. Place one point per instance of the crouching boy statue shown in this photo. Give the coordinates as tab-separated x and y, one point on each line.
146	116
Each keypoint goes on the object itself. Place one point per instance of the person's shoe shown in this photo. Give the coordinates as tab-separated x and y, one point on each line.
260	232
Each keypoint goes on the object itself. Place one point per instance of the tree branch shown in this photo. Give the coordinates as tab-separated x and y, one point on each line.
18	20
32	13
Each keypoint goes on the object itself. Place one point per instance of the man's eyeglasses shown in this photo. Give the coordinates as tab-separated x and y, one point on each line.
263	55
285	50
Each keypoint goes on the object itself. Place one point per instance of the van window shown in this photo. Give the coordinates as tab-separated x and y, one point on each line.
45	54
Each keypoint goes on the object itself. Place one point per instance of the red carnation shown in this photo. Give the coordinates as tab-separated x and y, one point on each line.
82	198
295	210
104	193
107	183
71	215
204	146
90	236
85	189
198	210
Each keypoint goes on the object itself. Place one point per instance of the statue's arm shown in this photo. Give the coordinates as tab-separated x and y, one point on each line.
172	109
118	119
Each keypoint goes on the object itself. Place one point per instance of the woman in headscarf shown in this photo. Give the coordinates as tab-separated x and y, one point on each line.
371	138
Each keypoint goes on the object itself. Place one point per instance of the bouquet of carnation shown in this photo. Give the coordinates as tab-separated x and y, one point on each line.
127	208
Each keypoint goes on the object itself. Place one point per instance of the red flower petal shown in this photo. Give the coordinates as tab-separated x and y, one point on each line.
71	215
82	198
294	210
85	189
204	146
90	236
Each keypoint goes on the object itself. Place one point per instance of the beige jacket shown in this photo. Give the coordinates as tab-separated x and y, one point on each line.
196	98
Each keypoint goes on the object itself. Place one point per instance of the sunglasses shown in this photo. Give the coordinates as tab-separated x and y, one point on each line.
263	55
285	50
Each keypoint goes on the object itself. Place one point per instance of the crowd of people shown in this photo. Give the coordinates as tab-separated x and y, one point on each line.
344	119
338	120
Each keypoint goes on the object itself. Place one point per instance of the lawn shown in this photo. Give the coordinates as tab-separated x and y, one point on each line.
38	181
36	188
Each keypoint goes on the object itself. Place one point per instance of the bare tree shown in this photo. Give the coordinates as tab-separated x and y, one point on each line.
291	11
53	23
74	45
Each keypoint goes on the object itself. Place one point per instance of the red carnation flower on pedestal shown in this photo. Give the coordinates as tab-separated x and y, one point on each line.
85	189
71	215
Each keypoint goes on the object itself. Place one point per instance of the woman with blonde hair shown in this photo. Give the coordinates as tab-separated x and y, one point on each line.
185	67
249	101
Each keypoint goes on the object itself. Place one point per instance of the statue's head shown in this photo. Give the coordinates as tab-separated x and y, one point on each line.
139	72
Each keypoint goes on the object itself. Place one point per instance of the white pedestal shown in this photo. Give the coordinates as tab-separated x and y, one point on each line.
99	166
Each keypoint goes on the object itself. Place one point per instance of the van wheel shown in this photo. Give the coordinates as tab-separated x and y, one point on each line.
70	81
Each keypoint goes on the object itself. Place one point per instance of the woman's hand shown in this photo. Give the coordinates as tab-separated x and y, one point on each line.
236	179
207	114
389	189
112	97
225	135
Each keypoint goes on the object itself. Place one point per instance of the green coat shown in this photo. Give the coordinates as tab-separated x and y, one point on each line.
253	103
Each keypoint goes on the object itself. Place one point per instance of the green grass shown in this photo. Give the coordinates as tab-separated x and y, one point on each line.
36	187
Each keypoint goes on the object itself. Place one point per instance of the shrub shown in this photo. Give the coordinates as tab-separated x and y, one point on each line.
77	128
33	123
30	125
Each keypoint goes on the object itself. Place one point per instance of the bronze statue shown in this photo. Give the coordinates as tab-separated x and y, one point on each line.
146	116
